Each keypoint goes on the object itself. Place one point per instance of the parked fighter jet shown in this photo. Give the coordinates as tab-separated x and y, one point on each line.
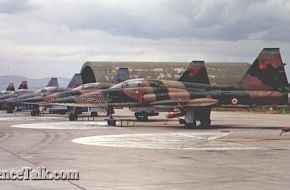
44	99
51	87
22	89
53	83
10	101
196	72
265	83
74	90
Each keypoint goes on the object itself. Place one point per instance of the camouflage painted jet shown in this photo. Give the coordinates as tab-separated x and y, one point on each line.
53	83
121	75
195	73
22	89
45	99
11	100
265	83
51	88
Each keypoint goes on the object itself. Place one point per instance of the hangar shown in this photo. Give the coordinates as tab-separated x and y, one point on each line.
223	73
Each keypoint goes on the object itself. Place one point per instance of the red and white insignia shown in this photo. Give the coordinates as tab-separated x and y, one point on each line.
262	66
234	101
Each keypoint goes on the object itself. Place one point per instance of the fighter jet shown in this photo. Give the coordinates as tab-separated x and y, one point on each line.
45	99
22	89
196	72
265	83
11	101
51	87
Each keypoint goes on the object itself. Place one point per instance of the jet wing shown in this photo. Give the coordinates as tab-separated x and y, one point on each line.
99	105
198	102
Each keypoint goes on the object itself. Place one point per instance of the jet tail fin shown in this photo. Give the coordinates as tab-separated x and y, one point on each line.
23	85
266	73
75	81
195	73
10	87
53	82
121	75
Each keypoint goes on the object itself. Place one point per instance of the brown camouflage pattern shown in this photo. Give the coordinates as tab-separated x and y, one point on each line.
260	75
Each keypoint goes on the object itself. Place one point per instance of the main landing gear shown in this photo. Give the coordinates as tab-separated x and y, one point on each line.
196	114
10	109
111	121
74	112
35	111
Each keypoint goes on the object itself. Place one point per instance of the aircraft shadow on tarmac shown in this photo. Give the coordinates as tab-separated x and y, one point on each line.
213	127
231	126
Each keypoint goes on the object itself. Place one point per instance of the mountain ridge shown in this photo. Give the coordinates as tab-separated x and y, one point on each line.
32	83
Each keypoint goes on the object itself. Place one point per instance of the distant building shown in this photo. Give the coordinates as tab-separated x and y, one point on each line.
219	72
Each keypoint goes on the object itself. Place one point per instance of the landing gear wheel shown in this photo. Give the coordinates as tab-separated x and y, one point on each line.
32	113
203	116
94	114
141	116
9	109
205	123
35	112
111	122
190	125
73	117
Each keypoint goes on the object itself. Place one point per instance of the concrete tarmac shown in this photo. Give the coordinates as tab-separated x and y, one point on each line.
243	150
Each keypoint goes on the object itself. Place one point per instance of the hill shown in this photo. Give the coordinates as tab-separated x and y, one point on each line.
32	83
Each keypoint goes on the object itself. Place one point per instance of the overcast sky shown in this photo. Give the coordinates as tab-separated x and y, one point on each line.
54	38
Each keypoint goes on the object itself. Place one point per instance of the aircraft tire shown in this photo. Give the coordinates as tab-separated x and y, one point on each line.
205	123
33	113
73	117
9	109
190	125
141	116
111	122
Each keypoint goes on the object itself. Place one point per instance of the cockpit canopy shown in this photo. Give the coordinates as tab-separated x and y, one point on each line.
129	83
141	82
88	86
46	89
